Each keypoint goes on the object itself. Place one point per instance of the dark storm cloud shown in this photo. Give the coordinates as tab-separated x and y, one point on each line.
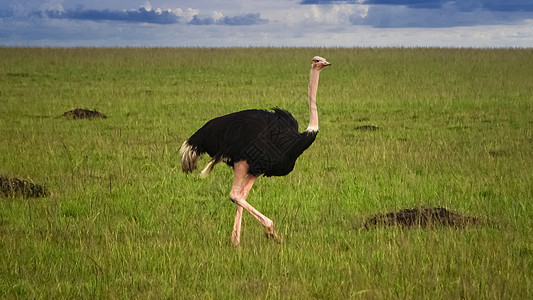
435	13
141	15
462	5
246	19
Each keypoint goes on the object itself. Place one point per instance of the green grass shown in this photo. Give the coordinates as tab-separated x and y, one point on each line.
456	130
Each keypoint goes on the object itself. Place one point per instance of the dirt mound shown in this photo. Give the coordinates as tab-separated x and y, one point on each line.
14	187
18	74
80	113
498	153
367	128
421	217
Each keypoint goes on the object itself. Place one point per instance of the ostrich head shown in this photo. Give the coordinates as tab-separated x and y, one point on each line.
319	63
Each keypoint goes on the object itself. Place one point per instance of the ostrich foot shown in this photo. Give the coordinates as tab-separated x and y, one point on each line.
270	233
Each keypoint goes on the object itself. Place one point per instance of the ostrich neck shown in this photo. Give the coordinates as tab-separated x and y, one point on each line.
313	87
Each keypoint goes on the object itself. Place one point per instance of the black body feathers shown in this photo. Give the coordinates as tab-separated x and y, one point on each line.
268	141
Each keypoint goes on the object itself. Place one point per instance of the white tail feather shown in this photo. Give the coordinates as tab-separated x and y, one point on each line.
189	158
208	169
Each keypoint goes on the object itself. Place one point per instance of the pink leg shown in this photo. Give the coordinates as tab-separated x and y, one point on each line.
236	233
242	184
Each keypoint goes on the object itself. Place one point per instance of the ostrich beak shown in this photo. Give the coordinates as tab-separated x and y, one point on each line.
327	64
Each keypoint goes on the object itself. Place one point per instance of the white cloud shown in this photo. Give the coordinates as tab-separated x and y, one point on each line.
148	6
330	15
185	14
216	15
52	5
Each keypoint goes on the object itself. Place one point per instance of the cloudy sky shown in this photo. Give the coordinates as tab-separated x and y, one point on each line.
287	23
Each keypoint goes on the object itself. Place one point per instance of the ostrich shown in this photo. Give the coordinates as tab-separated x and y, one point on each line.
254	142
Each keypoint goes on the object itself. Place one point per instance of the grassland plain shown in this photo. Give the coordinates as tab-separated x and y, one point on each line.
122	221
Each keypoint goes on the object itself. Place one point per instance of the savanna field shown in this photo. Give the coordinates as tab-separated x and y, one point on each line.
454	130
